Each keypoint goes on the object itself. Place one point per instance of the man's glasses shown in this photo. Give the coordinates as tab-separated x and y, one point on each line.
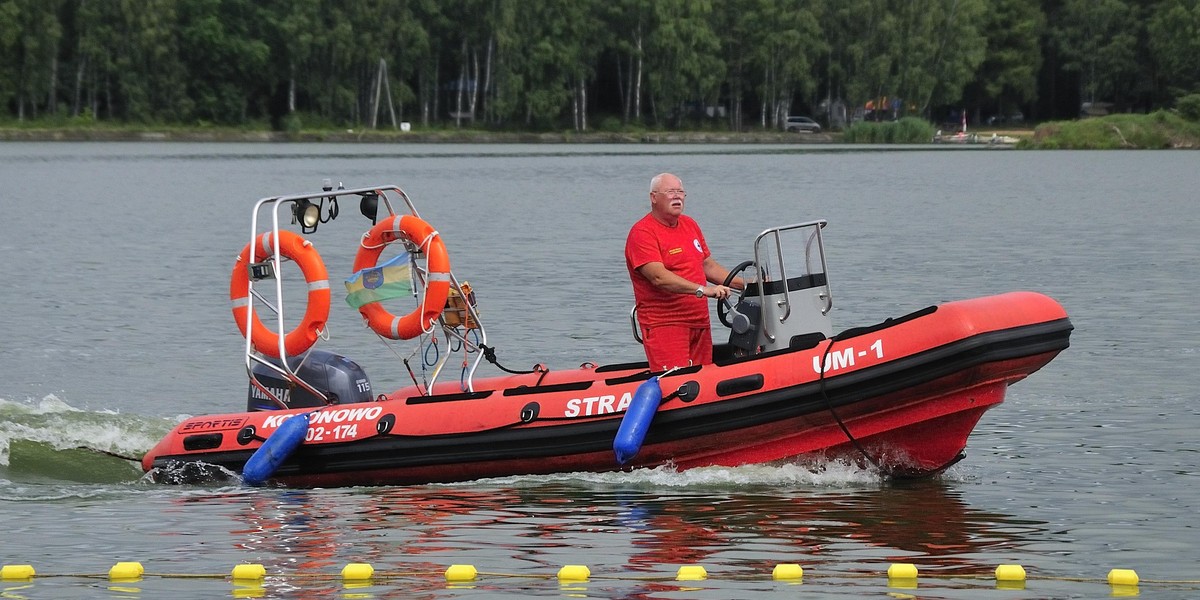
680	193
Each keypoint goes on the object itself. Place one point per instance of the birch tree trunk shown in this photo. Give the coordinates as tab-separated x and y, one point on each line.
474	83
462	81
637	88
583	101
423	84
377	89
487	76
52	85
291	95
575	109
623	90
78	96
437	96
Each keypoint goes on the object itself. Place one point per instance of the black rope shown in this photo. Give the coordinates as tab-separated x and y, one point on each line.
829	403
490	354
127	457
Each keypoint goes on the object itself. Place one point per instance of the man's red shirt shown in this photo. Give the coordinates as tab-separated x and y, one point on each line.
682	250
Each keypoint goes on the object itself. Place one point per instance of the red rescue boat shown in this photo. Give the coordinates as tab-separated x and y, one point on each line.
901	396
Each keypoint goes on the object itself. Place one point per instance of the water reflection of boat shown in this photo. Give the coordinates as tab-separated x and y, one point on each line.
926	519
745	526
902	395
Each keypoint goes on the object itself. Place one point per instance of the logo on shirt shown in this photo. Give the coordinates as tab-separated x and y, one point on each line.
674	251
696	242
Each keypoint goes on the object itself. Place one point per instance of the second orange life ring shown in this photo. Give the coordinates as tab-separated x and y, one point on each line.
305	334
437	286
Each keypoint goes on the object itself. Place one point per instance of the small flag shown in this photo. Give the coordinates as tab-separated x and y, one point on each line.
391	279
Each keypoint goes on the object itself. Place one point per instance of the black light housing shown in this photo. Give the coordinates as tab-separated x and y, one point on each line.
369	206
307	214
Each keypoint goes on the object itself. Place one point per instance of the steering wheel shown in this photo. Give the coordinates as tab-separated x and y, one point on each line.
724	305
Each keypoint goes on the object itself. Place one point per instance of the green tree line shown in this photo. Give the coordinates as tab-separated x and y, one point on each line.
584	64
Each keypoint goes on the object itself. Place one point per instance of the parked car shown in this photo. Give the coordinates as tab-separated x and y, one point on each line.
799	124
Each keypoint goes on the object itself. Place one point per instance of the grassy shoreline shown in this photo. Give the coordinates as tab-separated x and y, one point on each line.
1159	130
472	136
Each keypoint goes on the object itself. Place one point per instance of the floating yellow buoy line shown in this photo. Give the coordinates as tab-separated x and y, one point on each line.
1122	577
17	572
461	573
787	572
903	575
248	572
1010	573
357	572
574	573
902	571
126	571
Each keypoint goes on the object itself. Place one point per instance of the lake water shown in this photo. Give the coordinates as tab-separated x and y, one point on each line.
115	324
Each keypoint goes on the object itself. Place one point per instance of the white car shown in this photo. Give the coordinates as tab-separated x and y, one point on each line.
799	124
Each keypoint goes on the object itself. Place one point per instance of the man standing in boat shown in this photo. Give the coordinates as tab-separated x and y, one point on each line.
671	268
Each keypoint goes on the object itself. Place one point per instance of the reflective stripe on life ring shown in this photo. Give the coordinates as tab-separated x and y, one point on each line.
437	286
305	334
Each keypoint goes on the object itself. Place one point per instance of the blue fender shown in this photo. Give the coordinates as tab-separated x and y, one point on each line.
636	421
276	449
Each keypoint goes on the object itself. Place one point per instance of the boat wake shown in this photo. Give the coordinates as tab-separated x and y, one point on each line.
49	440
831	473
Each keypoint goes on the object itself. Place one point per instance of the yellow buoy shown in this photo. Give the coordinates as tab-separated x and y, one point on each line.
126	570
357	572
691	573
574	573
787	571
1122	577
1010	573
17	572
902	571
461	573
249	572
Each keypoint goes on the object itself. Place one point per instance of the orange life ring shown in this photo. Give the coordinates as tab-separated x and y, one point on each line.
437	286
305	334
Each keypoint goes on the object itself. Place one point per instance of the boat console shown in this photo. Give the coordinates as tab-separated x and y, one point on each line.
787	297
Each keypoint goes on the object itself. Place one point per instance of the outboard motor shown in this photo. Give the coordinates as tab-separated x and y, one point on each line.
340	378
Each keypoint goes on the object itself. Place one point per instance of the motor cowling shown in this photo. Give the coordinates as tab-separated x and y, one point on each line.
340	378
